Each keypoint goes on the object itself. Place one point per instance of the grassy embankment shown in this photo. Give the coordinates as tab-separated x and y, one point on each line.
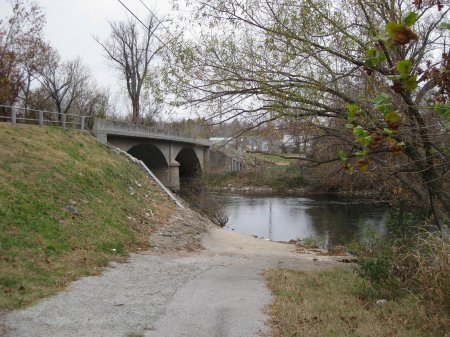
272	171
274	159
337	303
43	246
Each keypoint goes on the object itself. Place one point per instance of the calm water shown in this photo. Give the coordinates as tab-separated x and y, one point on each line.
334	220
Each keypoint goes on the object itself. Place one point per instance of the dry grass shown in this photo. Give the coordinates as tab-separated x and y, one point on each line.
42	245
328	304
424	267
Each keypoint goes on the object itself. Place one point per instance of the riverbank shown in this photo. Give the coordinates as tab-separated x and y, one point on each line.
199	280
73	212
300	192
339	303
196	279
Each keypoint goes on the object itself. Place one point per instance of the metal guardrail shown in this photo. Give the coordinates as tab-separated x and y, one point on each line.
65	120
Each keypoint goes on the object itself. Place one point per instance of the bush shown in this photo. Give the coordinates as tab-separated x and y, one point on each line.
375	263
410	259
198	196
312	241
425	268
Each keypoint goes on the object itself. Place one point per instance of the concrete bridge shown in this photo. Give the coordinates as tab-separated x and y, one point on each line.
172	157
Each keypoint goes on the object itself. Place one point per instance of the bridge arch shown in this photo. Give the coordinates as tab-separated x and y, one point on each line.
155	160
190	166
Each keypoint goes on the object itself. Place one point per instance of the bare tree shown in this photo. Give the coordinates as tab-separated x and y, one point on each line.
131	50
32	66
372	82
64	82
93	101
21	47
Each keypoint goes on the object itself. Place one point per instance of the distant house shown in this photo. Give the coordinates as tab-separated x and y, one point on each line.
247	143
260	144
225	142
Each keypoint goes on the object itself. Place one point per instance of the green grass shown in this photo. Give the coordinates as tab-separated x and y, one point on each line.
272	171
337	303
135	334
277	177
42	245
270	158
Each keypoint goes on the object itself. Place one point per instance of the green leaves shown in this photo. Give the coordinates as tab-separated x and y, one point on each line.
359	131
410	83
353	107
393	119
382	99
393	27
442	109
404	81
342	156
370	139
375	57
365	141
352	113
362	136
404	67
400	33
361	154
410	19
373	137
383	103
445	25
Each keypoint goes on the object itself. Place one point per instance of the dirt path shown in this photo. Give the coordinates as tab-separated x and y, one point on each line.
176	289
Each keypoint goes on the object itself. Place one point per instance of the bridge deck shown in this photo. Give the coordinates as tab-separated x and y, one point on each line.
104	126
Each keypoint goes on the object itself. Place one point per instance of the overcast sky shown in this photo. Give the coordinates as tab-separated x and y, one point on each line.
72	23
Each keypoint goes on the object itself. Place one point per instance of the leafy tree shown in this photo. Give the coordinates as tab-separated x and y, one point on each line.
368	74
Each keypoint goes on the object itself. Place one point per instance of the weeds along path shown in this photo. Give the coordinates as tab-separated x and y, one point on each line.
175	289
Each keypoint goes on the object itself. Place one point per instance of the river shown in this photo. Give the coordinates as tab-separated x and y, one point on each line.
331	220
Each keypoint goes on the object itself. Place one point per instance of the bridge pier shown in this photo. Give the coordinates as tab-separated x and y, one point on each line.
168	155
174	176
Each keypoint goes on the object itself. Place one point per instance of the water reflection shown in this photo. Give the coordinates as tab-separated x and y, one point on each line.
282	218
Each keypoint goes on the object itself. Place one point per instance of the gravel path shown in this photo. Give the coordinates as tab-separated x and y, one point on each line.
174	290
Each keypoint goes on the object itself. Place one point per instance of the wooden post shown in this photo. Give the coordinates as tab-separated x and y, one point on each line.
82	123
41	118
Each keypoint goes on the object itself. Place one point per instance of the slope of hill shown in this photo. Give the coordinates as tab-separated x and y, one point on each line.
68	206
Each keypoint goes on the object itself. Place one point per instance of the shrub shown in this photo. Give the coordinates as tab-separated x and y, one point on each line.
375	263
425	268
198	196
312	241
410	259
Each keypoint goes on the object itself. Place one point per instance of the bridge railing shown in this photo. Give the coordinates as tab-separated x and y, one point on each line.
17	115
122	128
